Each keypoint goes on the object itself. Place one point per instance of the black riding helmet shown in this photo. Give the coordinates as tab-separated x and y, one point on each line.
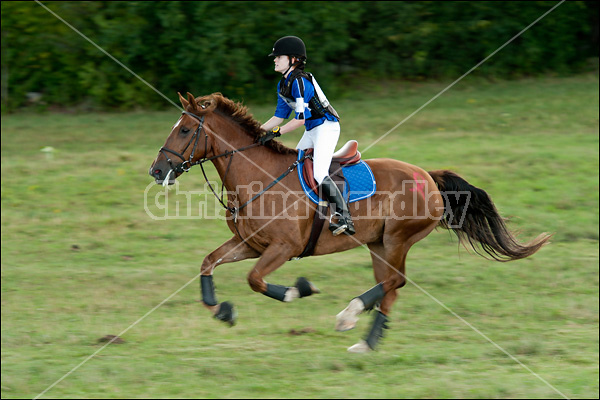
289	46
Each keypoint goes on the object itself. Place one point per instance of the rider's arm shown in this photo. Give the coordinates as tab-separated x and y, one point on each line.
282	112
302	95
272	123
292	125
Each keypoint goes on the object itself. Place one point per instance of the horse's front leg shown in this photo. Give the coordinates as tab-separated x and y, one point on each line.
232	250
272	258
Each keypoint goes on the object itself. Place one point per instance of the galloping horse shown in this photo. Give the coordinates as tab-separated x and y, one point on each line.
275	224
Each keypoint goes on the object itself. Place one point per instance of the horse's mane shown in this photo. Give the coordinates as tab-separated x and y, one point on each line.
238	113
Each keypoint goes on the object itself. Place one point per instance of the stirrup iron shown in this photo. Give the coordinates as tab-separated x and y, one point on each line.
341	228
344	221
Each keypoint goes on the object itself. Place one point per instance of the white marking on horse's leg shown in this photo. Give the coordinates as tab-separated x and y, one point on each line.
291	294
360	347
348	318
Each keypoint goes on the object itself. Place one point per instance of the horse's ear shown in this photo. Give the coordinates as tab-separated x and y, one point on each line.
183	101
192	101
208	103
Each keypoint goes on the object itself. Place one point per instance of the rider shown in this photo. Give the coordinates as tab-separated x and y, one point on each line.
299	91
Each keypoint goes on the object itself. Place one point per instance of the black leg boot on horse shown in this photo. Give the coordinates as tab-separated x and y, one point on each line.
331	193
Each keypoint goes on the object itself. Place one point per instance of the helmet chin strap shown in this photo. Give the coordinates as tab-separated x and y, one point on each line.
291	65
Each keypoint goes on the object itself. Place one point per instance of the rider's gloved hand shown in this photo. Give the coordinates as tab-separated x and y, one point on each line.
272	134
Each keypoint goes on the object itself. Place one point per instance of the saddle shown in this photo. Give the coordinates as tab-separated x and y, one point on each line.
346	156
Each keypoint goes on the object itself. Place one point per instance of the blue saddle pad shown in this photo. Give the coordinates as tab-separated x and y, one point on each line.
360	182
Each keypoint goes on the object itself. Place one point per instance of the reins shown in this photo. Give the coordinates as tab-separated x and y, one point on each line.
186	165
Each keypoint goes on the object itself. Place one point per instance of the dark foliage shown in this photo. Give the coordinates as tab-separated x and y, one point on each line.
222	46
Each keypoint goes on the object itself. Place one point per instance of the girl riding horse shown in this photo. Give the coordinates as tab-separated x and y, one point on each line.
299	91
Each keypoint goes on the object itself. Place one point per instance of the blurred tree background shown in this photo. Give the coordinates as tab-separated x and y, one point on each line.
210	46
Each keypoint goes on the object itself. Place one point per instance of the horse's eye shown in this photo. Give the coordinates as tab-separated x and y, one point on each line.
184	130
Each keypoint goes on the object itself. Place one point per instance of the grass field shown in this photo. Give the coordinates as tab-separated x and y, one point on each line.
82	259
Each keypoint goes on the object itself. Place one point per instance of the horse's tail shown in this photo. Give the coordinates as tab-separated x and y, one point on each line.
470	213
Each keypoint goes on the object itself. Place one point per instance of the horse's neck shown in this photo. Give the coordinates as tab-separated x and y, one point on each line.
257	164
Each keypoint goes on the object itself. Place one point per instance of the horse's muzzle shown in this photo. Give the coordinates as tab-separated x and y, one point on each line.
160	174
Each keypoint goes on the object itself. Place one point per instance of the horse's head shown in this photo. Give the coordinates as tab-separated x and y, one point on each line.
187	143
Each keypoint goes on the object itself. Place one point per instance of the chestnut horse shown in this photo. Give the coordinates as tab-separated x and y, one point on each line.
274	224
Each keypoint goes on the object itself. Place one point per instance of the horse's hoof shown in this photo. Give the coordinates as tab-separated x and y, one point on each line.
360	347
306	288
348	318
226	313
345	323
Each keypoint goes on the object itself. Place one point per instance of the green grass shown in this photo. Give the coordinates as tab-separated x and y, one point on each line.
81	259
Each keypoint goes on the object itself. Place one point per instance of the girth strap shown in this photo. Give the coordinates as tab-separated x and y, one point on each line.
315	230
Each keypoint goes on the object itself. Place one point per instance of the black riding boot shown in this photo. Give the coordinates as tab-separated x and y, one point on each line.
332	194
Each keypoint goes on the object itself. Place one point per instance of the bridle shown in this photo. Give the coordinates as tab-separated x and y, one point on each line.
186	165
181	167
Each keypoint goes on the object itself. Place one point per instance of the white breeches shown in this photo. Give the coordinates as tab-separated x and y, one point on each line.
323	139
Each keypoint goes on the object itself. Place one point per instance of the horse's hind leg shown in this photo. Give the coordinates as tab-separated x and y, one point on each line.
389	270
348	318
